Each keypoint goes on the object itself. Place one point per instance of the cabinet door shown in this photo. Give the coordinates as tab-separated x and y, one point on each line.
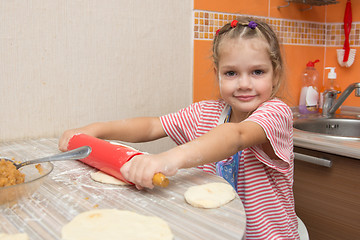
328	199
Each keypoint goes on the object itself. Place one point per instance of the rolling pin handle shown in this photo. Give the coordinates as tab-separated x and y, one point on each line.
160	180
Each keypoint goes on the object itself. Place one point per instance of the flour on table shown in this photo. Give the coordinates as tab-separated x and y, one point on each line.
210	195
113	224
105	178
17	236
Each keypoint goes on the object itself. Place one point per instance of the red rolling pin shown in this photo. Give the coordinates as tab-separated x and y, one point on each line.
109	158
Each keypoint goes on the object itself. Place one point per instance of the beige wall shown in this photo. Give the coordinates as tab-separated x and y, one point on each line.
64	64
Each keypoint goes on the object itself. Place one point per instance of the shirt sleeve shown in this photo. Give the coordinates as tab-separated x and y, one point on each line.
181	126
275	117
192	122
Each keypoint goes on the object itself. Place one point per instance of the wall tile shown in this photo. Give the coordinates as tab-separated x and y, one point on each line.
290	32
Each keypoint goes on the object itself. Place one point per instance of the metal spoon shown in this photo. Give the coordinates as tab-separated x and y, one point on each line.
78	153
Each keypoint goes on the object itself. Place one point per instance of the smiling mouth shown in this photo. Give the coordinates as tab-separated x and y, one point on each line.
245	98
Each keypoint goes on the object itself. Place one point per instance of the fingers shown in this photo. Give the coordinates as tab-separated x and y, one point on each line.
65	138
139	171
63	142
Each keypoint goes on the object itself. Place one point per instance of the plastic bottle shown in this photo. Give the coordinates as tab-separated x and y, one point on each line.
309	96
330	84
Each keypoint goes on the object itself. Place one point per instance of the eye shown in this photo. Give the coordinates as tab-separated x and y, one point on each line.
230	74
258	72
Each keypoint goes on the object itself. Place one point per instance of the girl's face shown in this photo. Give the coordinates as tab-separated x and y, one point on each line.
245	75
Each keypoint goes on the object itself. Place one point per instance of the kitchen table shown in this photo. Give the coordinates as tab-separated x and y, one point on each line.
69	191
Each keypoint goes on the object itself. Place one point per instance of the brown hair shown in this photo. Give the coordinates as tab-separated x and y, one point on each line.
244	31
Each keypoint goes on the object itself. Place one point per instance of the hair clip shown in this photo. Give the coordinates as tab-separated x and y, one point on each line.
234	23
252	24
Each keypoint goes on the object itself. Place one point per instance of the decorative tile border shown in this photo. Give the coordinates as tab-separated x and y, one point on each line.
290	32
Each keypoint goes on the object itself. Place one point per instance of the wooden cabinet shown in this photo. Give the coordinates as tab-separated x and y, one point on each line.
328	199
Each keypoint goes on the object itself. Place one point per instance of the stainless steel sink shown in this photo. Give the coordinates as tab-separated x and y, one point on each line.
330	126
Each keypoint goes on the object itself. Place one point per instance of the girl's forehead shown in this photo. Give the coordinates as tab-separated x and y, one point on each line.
243	49
238	43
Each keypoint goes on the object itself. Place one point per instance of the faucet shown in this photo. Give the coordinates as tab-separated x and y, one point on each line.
330	102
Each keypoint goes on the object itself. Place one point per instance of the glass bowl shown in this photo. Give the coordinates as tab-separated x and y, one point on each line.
33	179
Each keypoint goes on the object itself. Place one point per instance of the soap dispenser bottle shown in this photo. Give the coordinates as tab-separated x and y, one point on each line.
309	96
330	84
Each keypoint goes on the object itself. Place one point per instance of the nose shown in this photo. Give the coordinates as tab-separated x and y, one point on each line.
244	82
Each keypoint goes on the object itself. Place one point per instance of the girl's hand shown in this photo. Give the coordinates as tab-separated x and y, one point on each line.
141	169
67	135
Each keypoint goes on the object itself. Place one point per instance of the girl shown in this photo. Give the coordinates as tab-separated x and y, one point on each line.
249	127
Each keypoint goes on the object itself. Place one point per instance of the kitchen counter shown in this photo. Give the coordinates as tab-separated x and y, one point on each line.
318	142
325	143
69	191
326	180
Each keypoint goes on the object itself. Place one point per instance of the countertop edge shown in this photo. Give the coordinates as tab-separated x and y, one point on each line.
347	148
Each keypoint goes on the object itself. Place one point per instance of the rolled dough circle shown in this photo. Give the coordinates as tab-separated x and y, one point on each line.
102	177
17	236
210	195
113	224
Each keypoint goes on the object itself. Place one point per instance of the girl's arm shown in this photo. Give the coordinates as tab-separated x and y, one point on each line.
218	144
128	130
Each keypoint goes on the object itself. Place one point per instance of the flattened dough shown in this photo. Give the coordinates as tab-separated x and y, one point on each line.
105	178
210	195
113	224
18	236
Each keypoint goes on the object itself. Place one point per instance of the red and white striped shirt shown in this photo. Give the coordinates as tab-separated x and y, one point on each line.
264	185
